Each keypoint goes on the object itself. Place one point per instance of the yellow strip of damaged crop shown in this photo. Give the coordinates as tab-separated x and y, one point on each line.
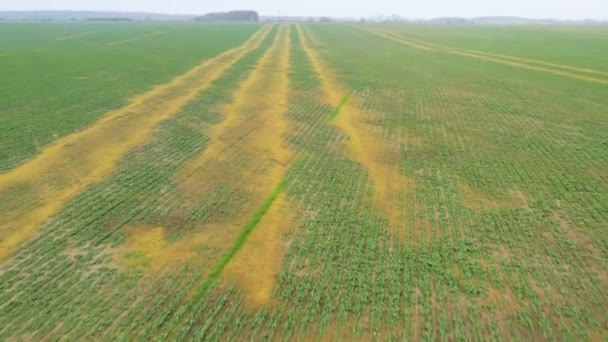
509	57
264	92
253	133
504	56
364	145
527	66
120	42
257	263
518	62
37	189
407	42
536	61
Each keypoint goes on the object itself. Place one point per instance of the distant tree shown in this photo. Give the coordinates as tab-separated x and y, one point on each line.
324	20
250	16
108	19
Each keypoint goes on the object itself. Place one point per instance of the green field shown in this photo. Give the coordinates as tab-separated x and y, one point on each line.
303	182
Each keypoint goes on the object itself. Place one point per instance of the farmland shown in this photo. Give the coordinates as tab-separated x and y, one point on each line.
303	182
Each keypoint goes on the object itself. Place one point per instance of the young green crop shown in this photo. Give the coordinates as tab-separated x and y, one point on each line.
499	197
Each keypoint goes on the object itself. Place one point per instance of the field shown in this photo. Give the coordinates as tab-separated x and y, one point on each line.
303	182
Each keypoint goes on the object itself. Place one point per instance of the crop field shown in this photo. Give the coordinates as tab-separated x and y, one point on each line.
303	182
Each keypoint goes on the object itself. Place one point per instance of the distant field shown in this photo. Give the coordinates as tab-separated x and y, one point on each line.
303	182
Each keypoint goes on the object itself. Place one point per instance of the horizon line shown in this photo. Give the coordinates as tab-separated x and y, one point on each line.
307	16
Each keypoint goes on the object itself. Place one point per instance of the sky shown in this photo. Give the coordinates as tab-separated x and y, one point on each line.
558	9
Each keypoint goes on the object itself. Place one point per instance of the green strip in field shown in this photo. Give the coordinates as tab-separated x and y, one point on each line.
341	104
238	243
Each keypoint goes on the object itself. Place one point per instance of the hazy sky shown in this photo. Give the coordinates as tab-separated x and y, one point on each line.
562	9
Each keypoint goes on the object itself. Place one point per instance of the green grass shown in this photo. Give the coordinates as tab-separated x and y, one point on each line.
504	209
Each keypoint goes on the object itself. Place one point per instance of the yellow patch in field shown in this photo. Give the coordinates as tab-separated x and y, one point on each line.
536	61
120	42
527	66
72	163
514	58
252	138
332	92
365	145
74	36
254	128
256	265
147	249
475	199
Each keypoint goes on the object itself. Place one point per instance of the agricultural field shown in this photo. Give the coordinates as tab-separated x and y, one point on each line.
303	182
